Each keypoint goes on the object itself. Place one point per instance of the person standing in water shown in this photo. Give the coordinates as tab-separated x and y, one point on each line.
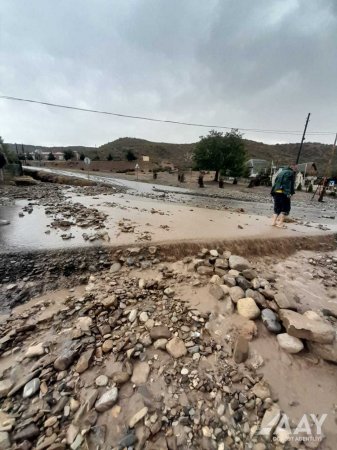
282	191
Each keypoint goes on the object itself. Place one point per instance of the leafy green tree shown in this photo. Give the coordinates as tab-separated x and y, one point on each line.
221	153
130	156
82	156
68	154
110	158
30	157
51	157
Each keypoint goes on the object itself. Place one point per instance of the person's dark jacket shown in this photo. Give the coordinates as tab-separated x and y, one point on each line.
285	182
3	160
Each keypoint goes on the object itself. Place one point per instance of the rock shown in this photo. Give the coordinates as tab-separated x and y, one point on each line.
84	361
289	343
261	390
248	308
109	301
241	350
216	291
214	253
312	315
120	377
269	422
259	299
133	315
47	442
270	320
31	388
5	386
50	422
35	350
328	352
243	283
269	294
101	380
65	359
160	332
221	263
107	345
160	344
127	441
84	323
169	292
72	432
238	263
176	347
116	267
229	280
301	327
27	433
138	417
205	270
74	405
107	400
215	279
250	274
77	442
227	306
143	317
140	373
236	293
285	302
5	443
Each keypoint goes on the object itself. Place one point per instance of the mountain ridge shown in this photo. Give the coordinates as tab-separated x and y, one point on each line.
181	154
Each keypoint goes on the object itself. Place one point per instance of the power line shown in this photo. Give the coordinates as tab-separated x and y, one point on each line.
152	119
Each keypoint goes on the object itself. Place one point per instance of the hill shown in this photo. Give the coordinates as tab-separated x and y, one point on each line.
181	154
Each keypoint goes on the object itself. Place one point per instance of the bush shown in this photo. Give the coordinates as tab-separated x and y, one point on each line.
310	188
299	187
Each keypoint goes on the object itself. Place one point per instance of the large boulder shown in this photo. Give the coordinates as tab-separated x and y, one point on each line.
328	352
238	263
248	308
302	327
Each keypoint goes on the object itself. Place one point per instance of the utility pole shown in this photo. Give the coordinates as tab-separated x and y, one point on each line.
303	137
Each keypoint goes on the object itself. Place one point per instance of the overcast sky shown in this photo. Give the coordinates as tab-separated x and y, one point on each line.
239	63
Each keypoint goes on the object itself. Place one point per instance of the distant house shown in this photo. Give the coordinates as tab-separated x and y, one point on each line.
308	169
257	167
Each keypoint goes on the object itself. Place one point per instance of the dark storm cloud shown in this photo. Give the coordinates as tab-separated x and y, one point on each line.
253	64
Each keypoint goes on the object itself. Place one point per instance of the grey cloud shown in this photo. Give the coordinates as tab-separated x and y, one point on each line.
251	64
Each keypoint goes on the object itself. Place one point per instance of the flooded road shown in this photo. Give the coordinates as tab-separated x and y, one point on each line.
150	213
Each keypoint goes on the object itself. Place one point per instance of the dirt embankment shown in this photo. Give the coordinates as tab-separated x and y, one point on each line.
60	179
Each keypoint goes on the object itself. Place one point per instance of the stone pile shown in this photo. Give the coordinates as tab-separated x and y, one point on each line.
129	365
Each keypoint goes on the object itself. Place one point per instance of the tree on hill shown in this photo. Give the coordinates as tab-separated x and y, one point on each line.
51	157
82	156
109	158
68	154
220	152
130	156
96	158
